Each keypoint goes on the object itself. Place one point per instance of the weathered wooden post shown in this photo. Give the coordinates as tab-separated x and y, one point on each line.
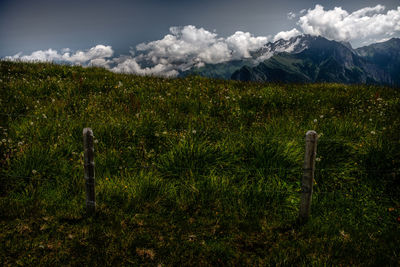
308	176
89	170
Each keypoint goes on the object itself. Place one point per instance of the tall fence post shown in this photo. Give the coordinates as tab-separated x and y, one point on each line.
308	175
89	170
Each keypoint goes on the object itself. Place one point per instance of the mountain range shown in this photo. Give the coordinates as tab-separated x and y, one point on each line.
306	58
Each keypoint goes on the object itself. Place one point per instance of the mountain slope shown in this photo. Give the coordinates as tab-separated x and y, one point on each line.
220	70
385	55
319	60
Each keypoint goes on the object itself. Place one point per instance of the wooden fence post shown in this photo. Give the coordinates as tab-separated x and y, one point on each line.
308	176
89	170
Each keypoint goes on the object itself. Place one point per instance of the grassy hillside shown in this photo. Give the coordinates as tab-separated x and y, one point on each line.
194	171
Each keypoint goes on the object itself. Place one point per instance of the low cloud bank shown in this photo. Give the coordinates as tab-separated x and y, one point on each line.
95	56
185	47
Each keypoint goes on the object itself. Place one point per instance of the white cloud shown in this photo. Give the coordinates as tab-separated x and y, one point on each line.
286	35
185	47
180	50
94	53
242	43
291	15
187	44
340	25
40	55
129	65
95	56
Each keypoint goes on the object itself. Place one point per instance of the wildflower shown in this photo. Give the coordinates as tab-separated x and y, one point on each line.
96	141
321	116
157	134
165	132
373	132
4	141
370	119
20	143
31	122
44	116
34	171
315	120
194	131
318	159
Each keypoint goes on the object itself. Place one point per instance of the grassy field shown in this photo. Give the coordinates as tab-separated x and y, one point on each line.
194	171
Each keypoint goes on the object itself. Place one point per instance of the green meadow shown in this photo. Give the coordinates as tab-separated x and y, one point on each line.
194	171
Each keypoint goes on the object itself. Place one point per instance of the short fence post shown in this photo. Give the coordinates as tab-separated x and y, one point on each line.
89	170
308	176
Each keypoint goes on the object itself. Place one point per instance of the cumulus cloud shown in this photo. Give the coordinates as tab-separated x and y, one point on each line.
286	35
188	46
338	24
242	43
95	56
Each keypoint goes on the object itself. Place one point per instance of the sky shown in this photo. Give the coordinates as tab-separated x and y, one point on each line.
150	36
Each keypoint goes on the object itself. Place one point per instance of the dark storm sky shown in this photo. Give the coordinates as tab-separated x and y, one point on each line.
29	25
